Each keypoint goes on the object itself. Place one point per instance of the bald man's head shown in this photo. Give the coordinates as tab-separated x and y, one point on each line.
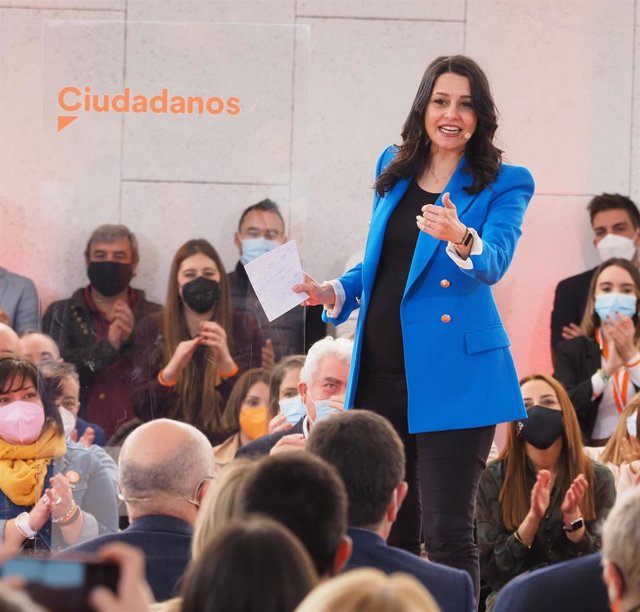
160	465
9	340
39	348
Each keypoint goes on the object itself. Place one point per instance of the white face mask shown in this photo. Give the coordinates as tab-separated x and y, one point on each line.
613	245
68	421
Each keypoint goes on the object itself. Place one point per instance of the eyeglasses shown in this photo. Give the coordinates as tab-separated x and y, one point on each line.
194	500
197	493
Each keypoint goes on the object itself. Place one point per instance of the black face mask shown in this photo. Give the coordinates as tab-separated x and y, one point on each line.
109	277
542	427
201	294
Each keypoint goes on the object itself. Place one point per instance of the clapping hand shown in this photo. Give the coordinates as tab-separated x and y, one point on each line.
121	325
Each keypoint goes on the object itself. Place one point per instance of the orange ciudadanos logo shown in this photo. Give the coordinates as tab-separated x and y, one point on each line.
75	101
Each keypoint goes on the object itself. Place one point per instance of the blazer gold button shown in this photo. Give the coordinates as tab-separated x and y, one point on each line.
445	283
445	318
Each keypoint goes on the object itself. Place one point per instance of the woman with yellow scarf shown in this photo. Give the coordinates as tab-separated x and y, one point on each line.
31	437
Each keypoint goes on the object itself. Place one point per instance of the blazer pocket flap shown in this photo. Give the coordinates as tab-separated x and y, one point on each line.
486	339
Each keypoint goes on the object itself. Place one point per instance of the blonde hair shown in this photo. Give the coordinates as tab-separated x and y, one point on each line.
369	590
612	452
221	503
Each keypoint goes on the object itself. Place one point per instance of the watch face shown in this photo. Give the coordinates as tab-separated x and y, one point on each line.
575	525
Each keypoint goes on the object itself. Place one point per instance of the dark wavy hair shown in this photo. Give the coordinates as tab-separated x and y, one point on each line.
16	371
482	156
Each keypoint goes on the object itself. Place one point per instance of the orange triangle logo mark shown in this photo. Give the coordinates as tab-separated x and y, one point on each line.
64	121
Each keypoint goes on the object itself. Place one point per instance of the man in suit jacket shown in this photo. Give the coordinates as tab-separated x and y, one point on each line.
615	221
162	486
369	456
572	586
19	299
323	377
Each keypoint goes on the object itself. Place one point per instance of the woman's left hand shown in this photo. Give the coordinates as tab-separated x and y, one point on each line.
216	339
571	504
60	496
442	222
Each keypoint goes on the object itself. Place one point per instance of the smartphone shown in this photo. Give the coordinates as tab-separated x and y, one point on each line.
62	586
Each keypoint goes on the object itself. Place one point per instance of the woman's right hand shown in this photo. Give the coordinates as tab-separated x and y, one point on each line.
181	358
318	294
40	513
540	494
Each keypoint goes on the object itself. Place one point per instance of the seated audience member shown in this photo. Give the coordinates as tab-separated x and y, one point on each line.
323	380
94	328
601	369
620	452
187	357
579	585
85	481
221	504
9	340
615	222
256	565
19	300
163	473
369	456
31	437
306	495
261	229
284	399
247	413
370	590
51	493
621	554
40	349
543	500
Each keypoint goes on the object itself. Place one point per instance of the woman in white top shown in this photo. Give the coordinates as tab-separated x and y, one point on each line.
601	369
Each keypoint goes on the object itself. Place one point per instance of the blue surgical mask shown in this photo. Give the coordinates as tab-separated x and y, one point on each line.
293	408
254	247
323	410
608	304
632	424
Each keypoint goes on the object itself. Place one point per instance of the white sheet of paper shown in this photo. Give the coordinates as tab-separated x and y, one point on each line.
272	275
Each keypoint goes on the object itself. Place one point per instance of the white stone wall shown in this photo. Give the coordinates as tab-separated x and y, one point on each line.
562	71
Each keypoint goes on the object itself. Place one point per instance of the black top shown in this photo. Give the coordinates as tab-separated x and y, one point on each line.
383	348
569	303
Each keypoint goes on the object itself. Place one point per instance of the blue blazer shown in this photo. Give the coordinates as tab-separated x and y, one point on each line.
459	369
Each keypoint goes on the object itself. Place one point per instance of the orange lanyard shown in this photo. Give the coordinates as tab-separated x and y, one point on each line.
619	380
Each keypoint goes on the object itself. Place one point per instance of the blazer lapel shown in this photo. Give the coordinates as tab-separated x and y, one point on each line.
427	245
377	230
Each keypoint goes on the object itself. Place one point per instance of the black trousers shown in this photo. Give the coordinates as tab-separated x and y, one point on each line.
443	470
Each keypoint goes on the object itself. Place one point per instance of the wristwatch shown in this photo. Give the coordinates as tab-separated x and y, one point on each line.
466	239
22	525
574	526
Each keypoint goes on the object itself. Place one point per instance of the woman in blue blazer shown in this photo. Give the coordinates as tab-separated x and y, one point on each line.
431	353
